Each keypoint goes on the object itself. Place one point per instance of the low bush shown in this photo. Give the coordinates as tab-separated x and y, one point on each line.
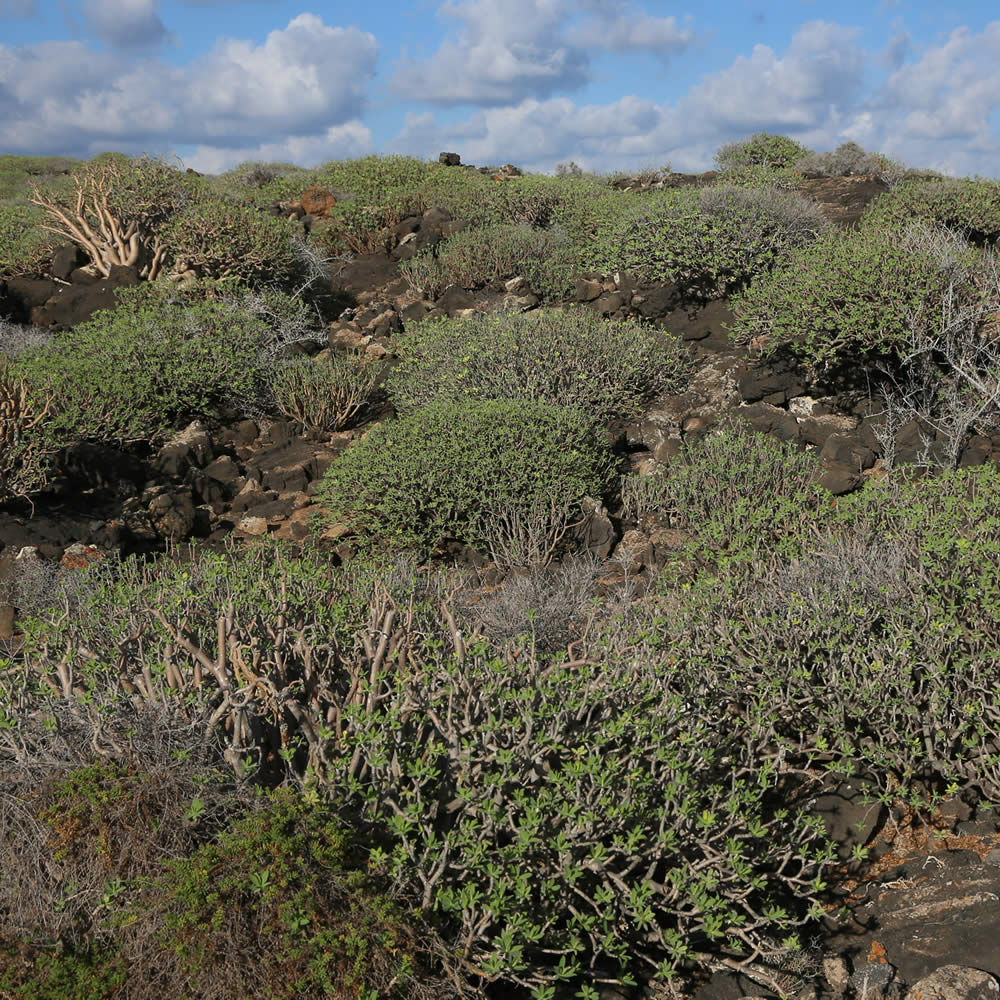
880	627
329	393
969	206
848	160
25	248
858	294
761	150
474	258
276	903
747	495
569	356
138	371
506	477
219	239
711	240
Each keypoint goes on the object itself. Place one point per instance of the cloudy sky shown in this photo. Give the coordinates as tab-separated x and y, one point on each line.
609	84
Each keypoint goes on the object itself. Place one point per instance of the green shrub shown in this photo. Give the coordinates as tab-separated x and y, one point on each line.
475	257
886	625
746	494
329	393
711	240
25	248
969	206
762	149
220	239
17	173
503	476
372	178
849	159
279	906
158	897
139	371
590	821
570	356
849	294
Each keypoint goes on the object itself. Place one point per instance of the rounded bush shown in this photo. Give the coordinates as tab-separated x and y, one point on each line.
506	477
763	149
850	293
848	160
969	206
155	362
25	248
570	356
715	239
744	493
219	239
474	258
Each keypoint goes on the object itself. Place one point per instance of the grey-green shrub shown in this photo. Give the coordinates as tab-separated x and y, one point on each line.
570	356
746	494
711	240
156	361
887	624
762	149
849	159
476	257
506	477
849	294
219	239
969	206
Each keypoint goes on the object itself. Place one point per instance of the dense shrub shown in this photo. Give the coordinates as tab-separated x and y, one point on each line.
277	905
502	476
328	393
762	149
570	356
25	248
849	159
17	173
527	796
475	257
850	293
155	362
256	175
881	627
711	240
137	196
746	494
218	239
372	178
969	206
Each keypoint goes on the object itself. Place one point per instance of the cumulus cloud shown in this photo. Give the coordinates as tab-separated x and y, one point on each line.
503	54
805	92
305	84
125	23
337	143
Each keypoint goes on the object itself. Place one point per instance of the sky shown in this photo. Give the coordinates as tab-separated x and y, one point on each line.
607	84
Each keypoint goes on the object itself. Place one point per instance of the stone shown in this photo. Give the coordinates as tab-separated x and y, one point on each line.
847	450
776	378
66	260
317	202
587	289
955	982
191	448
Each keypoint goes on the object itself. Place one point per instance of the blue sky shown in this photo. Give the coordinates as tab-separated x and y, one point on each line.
609	84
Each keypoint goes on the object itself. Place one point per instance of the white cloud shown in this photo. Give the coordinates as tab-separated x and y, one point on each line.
504	52
338	143
305	83
124	23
